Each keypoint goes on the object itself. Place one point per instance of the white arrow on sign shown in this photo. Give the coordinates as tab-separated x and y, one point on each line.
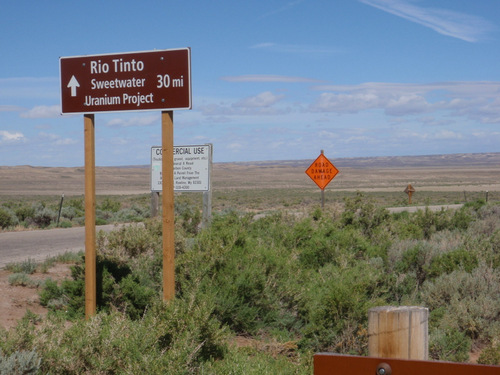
73	84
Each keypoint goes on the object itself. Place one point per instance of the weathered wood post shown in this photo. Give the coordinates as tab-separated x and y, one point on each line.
398	332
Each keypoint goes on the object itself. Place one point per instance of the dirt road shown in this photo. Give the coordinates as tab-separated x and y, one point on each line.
39	245
432	208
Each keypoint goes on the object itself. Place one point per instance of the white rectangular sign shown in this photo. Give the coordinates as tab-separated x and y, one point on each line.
191	168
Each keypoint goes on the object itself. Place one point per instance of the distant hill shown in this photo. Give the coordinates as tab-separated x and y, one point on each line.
445	160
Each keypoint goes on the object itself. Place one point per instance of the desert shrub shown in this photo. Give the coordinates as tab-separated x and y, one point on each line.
336	311
78	204
117	288
431	222
43	216
254	360
129	241
329	244
490	355
22	279
461	219
69	212
459	259
190	216
24	212
28	266
185	336
449	345
109	204
132	214
7	218
247	276
361	212
415	261
65	224
405	228
475	205
20	362
469	301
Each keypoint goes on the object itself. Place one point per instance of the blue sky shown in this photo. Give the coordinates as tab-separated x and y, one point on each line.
271	80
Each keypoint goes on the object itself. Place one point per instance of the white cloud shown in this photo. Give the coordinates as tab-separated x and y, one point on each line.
407	104
43	111
56	139
346	103
447	135
235	146
478	101
8	137
463	26
263	104
265	99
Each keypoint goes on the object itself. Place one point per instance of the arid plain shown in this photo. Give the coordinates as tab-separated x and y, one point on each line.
454	173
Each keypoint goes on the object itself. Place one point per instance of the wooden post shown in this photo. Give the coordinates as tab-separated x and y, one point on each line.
90	237
398	332
167	125
155	197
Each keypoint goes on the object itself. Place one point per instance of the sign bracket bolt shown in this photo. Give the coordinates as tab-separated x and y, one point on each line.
384	369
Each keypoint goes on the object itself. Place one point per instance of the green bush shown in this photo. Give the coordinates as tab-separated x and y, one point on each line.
335	311
459	259
449	345
490	355
175	338
361	212
470	301
7	219
109	204
43	216
24	212
28	266
22	279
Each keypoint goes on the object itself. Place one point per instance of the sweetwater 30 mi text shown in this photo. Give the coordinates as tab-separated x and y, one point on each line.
136	99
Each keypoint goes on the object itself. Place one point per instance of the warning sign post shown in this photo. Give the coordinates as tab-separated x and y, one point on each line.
322	172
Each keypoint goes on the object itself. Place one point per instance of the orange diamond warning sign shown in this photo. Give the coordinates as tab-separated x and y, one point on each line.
322	171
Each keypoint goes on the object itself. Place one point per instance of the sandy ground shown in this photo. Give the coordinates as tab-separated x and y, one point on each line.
15	301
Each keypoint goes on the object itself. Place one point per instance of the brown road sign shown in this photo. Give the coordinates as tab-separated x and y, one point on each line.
330	364
322	171
132	81
409	189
